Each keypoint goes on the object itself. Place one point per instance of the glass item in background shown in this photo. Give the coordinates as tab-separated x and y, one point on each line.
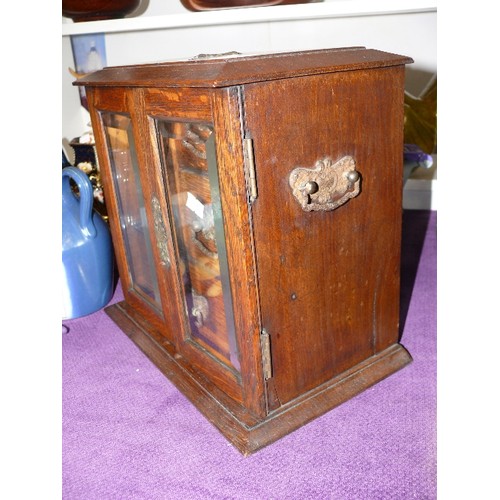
197	5
133	219
188	151
98	10
413	158
87	252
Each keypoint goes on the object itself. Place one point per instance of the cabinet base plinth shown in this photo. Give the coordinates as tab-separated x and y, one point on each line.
224	415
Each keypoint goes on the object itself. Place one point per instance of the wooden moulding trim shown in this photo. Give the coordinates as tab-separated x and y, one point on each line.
197	388
243	430
224	71
328	396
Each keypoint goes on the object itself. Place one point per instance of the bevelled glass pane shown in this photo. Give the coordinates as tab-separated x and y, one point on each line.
188	151
133	220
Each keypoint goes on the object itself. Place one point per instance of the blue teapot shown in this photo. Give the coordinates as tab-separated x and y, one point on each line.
87	251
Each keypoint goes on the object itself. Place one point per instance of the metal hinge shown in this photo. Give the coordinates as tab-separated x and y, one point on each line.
265	346
250	168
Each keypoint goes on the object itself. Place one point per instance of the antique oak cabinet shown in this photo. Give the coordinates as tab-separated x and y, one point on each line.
255	208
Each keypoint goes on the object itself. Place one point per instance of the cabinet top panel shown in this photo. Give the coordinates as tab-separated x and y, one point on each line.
222	70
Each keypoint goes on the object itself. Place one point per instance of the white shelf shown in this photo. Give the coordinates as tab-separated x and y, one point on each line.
328	9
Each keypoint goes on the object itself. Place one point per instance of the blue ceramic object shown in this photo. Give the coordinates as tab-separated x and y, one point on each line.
87	252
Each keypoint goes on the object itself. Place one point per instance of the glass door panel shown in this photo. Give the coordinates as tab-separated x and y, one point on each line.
188	151
133	220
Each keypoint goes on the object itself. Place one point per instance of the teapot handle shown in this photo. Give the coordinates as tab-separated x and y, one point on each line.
86	199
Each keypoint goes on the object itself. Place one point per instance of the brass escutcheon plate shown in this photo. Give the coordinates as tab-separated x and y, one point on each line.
160	232
327	185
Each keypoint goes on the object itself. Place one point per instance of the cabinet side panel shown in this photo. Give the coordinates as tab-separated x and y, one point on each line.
328	280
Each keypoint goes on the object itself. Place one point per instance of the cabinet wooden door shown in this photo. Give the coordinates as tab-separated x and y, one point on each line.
197	145
340	304
131	193
176	183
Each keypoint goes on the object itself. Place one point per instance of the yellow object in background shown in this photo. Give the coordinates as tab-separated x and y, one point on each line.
420	126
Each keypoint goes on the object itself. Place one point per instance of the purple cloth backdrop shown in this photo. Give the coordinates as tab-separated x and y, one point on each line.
128	433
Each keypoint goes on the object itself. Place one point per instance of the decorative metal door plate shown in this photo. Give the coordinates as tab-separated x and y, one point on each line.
160	232
327	185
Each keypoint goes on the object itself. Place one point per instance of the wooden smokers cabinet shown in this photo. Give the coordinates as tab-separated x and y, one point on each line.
255	204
